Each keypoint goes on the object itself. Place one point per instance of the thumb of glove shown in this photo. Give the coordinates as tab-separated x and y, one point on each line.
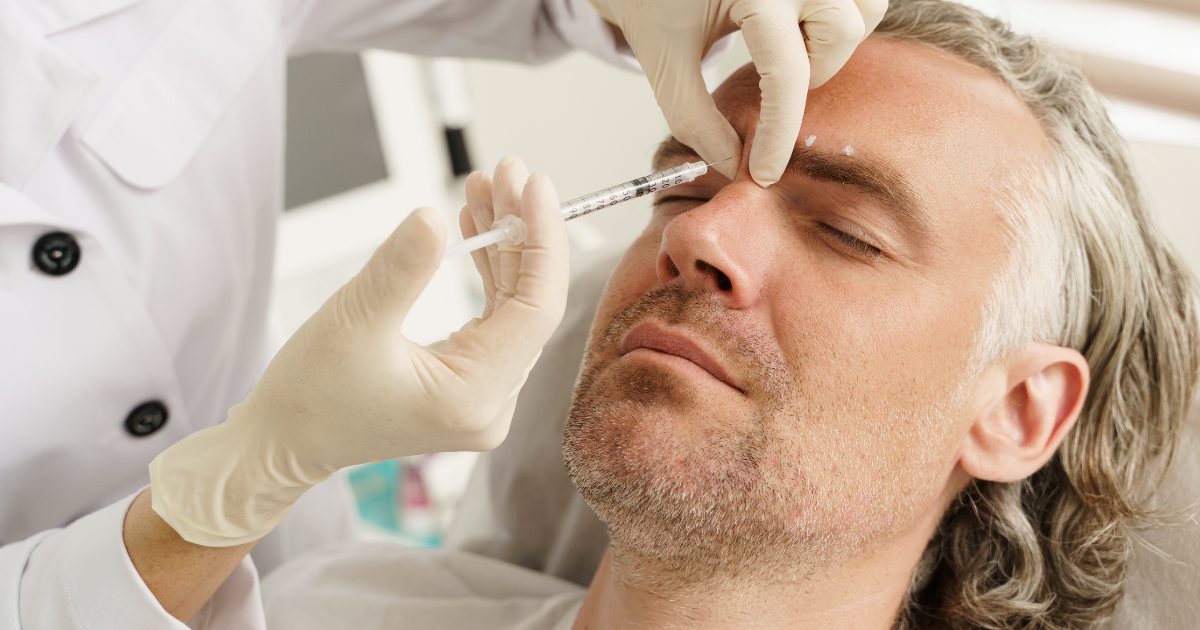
398	271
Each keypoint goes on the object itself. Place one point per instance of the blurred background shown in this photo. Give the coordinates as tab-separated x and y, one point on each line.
372	136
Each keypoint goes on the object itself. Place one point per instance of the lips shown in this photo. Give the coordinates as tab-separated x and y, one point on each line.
654	336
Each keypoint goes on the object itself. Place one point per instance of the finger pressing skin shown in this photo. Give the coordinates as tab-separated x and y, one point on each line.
774	41
507	185
467	224
689	109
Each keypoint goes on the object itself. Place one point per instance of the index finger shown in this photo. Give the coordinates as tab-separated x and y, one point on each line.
776	46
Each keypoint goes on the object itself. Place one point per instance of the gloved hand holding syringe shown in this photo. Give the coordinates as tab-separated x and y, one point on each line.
510	231
349	388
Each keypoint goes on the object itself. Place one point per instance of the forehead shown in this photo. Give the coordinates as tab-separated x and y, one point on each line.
956	132
905	100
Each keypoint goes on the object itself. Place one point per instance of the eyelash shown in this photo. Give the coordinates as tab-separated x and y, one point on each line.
845	239
665	200
859	247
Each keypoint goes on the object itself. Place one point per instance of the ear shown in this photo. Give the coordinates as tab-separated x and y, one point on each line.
1027	403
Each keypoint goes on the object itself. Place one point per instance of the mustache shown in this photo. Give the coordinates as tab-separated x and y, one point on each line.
749	352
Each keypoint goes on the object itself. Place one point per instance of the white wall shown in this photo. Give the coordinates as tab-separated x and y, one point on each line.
1170	175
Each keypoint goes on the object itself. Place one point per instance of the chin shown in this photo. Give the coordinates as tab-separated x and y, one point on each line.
676	482
706	491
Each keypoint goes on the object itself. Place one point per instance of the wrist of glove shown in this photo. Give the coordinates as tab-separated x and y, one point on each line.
349	388
232	483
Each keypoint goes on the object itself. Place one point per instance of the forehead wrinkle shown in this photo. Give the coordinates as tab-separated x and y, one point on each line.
876	179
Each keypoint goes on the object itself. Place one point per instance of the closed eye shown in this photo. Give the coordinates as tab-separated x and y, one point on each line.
673	205
855	245
859	247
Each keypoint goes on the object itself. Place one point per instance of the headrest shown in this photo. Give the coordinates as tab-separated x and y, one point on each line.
522	508
1162	591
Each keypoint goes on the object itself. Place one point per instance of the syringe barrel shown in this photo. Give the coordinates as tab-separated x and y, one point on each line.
632	189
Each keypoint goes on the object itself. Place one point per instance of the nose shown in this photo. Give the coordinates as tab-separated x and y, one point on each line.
721	247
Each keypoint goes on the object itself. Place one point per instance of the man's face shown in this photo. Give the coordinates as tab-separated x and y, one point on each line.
778	374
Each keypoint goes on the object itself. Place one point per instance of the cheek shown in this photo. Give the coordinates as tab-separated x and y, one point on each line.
634	276
880	362
872	330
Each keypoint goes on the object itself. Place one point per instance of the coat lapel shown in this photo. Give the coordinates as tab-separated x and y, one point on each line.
41	88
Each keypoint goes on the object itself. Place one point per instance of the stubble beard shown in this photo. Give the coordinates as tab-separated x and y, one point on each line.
706	504
696	497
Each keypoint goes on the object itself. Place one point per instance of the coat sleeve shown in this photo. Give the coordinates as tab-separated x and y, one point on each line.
527	31
81	576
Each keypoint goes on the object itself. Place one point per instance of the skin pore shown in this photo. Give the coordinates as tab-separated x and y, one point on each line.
774	412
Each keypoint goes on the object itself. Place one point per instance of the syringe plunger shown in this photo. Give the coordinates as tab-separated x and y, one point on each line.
509	231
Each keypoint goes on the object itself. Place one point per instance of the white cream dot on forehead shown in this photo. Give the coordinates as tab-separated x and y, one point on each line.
849	150
808	142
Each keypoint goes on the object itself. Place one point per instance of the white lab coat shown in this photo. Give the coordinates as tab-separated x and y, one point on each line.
151	133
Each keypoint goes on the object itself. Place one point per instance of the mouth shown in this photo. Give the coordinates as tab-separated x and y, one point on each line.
675	345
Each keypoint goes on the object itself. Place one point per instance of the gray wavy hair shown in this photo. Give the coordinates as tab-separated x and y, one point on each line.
1089	271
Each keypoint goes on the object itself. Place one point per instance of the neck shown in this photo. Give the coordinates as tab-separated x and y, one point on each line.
861	593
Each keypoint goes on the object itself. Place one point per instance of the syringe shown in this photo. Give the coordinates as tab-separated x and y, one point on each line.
512	230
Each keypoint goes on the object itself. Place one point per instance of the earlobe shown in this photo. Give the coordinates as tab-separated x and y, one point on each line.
1028	404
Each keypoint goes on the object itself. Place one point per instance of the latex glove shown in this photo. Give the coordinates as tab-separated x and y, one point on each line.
349	388
671	37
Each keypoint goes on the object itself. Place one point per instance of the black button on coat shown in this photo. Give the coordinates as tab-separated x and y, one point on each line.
146	418
56	253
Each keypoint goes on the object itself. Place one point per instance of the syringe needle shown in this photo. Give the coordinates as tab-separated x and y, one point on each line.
719	161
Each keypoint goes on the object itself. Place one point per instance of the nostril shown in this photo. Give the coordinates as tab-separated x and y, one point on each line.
723	282
672	270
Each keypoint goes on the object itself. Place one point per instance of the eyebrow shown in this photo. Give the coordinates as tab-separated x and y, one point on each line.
881	181
672	149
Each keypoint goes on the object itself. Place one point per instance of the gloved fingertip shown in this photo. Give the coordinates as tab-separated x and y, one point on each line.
764	173
769	156
426	219
540	184
764	181
421	236
512	161
466	223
